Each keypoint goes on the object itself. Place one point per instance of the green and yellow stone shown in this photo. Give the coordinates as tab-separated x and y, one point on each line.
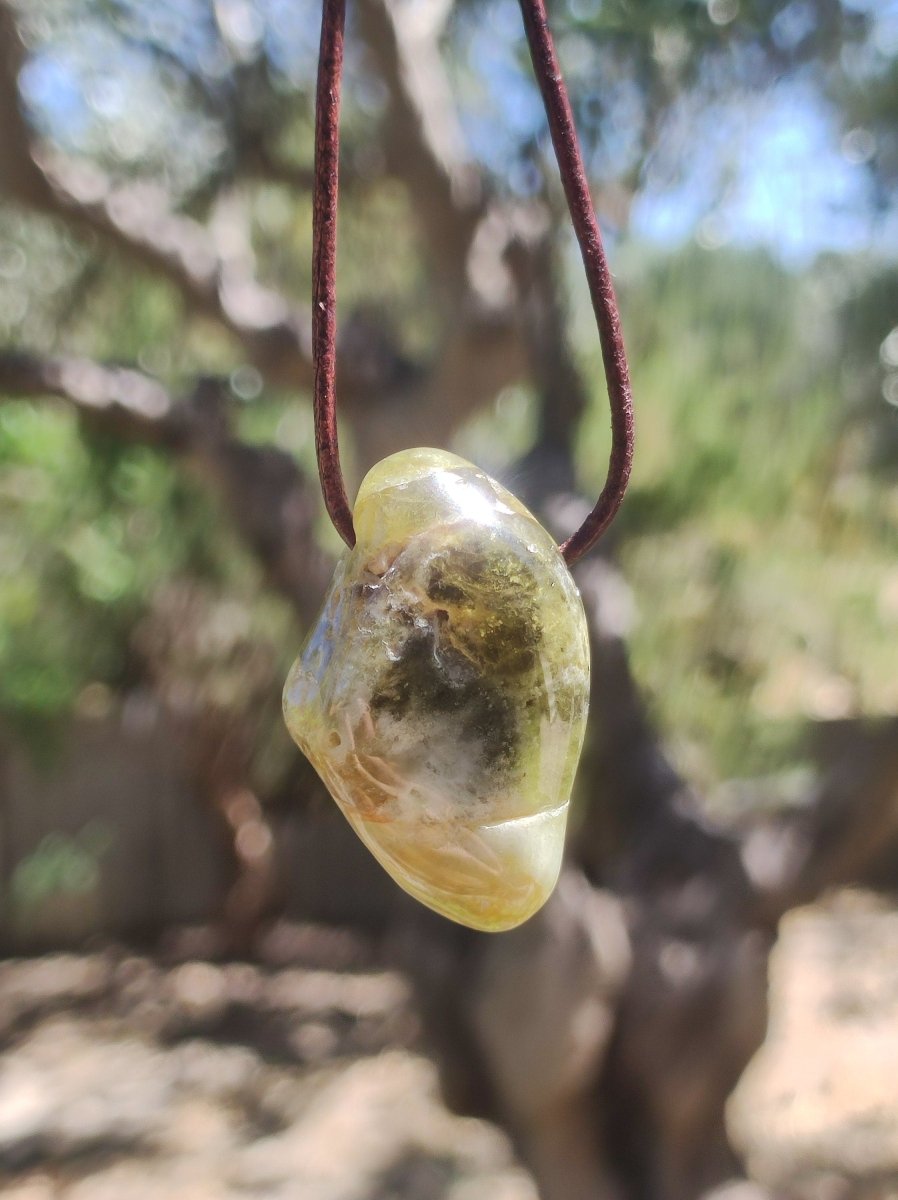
442	695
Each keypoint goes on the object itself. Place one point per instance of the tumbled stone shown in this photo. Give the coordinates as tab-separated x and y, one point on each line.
442	695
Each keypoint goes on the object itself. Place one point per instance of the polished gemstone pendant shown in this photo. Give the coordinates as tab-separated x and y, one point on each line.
442	695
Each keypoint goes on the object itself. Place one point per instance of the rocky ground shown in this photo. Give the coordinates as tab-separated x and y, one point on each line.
816	1113
128	1077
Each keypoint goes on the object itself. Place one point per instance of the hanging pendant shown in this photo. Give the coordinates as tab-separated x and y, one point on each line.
442	695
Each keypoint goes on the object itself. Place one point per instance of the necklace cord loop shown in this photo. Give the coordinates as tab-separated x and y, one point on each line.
598	274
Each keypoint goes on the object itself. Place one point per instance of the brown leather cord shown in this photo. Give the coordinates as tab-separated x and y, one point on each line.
586	228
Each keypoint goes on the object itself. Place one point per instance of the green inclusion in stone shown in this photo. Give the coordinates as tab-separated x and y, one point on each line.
442	695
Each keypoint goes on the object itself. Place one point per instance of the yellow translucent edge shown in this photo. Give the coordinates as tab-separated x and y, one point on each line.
483	912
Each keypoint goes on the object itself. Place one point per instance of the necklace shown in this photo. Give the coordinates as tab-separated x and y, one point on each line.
442	694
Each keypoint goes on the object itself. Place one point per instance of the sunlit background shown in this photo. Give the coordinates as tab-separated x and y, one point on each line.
205	1033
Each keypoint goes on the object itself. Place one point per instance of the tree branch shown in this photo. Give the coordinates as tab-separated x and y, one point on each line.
271	504
480	353
137	219
422	140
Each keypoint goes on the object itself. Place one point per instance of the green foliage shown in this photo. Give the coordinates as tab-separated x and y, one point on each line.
86	530
761	550
869	319
61	866
119	571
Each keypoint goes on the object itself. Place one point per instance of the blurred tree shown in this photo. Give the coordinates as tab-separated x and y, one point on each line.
153	276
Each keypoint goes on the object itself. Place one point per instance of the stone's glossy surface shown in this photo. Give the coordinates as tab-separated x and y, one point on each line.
442	695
